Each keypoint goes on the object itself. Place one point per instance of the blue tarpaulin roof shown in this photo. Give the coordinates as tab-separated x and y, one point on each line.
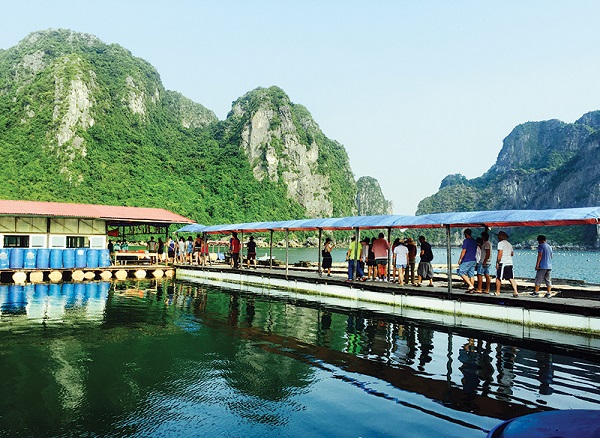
498	218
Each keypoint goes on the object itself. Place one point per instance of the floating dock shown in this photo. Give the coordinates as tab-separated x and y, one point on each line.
574	309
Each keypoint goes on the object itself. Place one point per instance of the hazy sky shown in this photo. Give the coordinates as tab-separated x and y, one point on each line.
415	90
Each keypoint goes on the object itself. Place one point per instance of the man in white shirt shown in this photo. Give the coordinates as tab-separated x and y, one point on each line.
504	263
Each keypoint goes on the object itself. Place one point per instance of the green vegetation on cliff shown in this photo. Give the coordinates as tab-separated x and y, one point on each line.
83	121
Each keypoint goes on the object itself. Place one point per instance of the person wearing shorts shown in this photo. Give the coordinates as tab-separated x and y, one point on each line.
483	263
401	260
467	261
380	249
425	270
504	264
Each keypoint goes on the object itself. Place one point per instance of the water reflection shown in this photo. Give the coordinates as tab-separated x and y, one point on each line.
133	351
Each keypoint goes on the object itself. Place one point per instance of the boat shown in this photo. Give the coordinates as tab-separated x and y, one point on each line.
571	423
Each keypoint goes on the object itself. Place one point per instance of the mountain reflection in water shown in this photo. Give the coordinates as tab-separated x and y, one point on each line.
176	358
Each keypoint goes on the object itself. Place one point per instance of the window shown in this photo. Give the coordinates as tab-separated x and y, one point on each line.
58	241
38	240
16	241
98	242
78	242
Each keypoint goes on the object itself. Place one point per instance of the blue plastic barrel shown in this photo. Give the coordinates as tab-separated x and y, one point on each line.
80	258
56	258
68	258
41	290
16	258
30	258
104	261
4	258
43	258
92	258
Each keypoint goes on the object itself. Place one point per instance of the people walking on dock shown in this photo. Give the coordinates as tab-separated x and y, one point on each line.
352	258
371	265
326	255
251	254
189	250
409	272
483	264
393	269
543	267
170	250
504	263
467	260
381	249
400	261
234	249
425	270
364	255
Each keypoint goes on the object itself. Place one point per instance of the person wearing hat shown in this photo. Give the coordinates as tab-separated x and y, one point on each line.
327	259
504	263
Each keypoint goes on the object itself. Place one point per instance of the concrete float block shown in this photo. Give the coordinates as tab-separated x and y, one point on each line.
433	304
594	324
552	319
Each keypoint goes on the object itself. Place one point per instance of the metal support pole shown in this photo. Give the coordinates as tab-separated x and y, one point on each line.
287	245
449	260
319	248
271	251
389	255
355	255
241	249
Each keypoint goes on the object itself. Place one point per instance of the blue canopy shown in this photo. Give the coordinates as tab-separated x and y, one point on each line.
498	218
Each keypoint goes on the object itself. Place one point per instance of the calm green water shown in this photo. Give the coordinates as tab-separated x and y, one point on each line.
179	359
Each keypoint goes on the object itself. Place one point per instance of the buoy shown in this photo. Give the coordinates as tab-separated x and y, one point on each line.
140	273
106	275
169	273
36	276
90	275
121	274
19	277
55	276
158	273
77	275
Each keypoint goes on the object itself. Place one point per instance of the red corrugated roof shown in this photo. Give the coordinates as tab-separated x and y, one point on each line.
91	211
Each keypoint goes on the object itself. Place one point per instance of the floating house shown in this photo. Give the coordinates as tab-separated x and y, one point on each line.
52	235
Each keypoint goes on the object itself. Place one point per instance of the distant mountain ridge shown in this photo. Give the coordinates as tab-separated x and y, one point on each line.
542	165
83	121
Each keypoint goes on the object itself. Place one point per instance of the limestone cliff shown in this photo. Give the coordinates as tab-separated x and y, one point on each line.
369	198
283	143
548	164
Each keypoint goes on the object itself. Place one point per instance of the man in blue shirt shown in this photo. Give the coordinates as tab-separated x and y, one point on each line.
467	261
543	267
